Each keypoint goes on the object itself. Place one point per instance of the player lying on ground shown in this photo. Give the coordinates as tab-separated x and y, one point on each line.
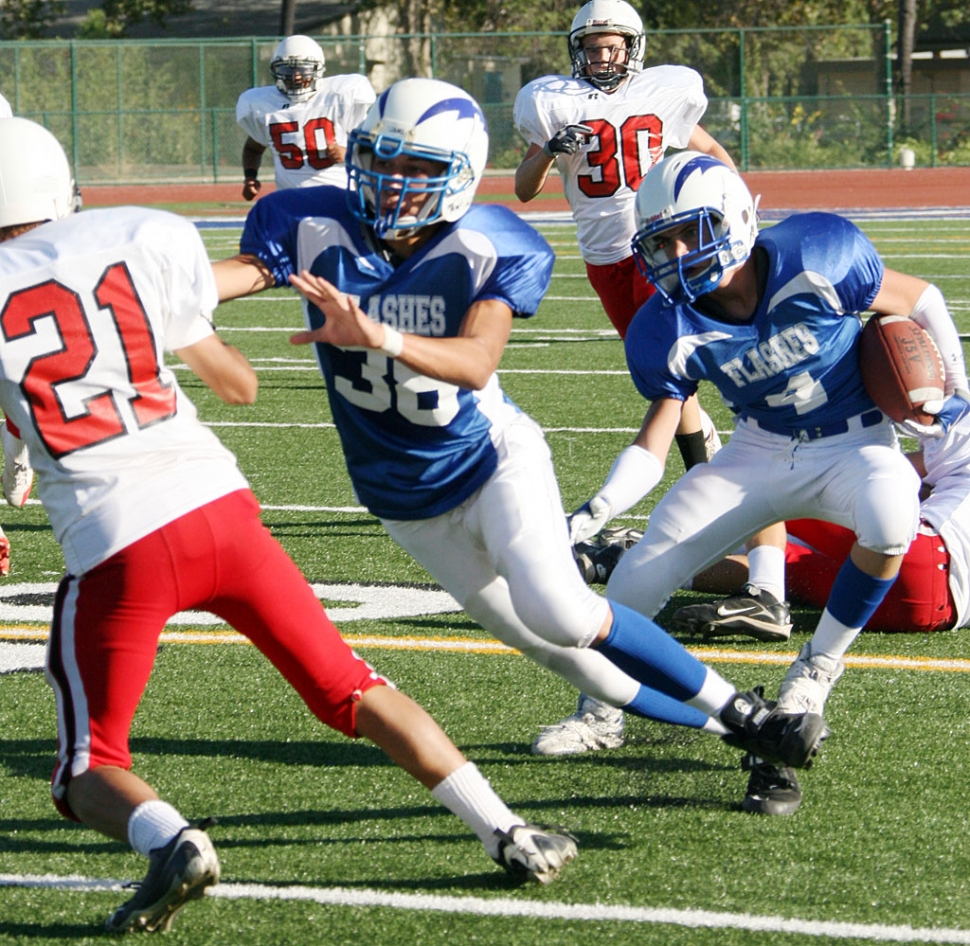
154	517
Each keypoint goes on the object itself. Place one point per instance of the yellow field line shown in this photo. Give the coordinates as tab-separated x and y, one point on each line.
489	646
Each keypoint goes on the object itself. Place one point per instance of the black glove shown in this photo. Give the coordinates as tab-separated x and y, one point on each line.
568	140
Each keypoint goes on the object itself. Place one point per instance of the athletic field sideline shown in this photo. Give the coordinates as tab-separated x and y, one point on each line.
322	839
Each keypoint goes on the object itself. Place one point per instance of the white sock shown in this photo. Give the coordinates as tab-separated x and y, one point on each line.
467	794
832	638
713	696
766	569
152	825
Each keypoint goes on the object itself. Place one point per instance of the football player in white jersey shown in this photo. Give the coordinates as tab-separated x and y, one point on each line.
17	478
604	128
409	315
304	118
773	321
154	517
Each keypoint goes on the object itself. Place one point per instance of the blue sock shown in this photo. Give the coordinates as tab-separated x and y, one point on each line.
651	656
665	709
856	595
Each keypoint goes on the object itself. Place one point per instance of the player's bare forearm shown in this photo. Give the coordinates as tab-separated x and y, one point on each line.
223	368
252	156
531	174
241	275
701	140
659	425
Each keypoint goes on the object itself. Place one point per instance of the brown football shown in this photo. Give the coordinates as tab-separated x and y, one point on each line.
901	367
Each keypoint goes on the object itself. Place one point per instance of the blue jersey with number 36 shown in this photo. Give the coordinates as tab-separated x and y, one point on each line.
794	365
415	447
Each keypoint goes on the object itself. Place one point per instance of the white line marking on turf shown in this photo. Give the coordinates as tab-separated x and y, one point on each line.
503	907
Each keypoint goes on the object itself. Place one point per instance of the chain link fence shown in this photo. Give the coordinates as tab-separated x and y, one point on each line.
140	111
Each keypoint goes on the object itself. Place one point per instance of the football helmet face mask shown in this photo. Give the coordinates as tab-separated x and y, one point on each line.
36	183
696	192
297	67
606	16
423	119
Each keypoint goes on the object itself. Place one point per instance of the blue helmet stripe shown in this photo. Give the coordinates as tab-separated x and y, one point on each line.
466	108
701	163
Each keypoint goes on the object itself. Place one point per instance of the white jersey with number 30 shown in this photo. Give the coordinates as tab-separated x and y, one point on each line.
90	304
651	111
299	133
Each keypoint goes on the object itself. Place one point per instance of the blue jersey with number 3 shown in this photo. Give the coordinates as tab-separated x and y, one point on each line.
415	447
793	365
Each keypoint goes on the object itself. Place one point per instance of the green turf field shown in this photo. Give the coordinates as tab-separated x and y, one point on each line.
322	840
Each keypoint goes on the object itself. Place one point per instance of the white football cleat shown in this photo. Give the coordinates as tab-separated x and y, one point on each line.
808	682
177	873
529	852
593	726
18	475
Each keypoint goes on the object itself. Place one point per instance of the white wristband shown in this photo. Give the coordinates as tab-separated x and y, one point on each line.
393	343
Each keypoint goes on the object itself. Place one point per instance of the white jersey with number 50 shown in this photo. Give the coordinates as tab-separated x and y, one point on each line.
651	111
88	306
299	133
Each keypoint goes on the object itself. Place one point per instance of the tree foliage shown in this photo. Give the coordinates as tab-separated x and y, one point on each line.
114	18
27	19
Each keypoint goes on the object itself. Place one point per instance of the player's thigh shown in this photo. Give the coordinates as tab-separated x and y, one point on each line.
519	514
702	517
261	593
102	647
874	491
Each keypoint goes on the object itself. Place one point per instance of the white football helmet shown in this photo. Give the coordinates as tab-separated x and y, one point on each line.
607	16
297	66
419	118
36	183
693	187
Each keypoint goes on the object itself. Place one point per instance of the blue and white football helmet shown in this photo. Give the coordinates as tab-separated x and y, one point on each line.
419	118
693	187
607	16
297	67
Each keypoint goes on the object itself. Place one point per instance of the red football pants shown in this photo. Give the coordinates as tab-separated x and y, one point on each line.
918	601
219	558
622	290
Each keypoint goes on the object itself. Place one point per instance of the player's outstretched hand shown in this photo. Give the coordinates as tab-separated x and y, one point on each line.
586	521
568	140
347	325
251	188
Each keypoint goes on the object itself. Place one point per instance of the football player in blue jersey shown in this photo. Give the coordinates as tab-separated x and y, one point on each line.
411	294
773	321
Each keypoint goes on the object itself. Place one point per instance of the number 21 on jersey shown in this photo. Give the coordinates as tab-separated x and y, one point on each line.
47	377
